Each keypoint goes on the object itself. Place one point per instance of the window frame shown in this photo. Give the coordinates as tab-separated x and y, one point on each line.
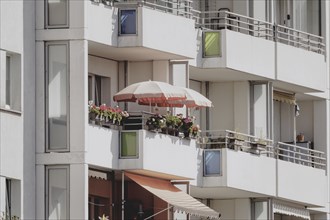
269	108
136	22
220	163
46	85
203	45
54	167
269	201
47	25
137	148
104	96
8	202
11	98
8	80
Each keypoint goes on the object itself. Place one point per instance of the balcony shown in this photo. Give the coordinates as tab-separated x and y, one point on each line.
280	170
129	146
128	32
159	153
301	174
288	55
236	164
216	162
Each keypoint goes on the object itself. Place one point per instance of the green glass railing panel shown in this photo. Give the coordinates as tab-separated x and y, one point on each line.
129	144
211	44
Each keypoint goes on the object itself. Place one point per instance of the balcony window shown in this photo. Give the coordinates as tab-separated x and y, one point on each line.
99	89
127	22
129	145
260	105
211	44
57	96
261	209
212	162
57	192
11	98
57	13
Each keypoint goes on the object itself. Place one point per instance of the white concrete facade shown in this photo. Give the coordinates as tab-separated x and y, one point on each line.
48	145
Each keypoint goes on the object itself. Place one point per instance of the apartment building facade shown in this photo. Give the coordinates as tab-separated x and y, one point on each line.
263	149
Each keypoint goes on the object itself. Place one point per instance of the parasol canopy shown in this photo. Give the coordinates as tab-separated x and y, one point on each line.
194	99
149	92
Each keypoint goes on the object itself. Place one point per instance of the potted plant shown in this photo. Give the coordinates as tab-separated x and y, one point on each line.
187	123
93	111
173	123
194	130
156	122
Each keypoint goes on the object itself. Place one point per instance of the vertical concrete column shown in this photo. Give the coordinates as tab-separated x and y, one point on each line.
79	191
2	194
242	209
40	192
40	97
78	94
161	70
2	77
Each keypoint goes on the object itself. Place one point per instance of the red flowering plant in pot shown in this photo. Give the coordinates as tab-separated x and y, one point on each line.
119	116
187	123
104	114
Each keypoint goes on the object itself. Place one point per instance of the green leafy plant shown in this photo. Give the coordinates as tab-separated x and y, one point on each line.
173	121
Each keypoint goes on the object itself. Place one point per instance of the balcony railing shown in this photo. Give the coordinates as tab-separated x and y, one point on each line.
218	139
236	141
217	20
179	8
301	155
300	39
252	144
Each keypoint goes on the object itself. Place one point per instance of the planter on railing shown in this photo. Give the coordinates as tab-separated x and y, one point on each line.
106	116
175	125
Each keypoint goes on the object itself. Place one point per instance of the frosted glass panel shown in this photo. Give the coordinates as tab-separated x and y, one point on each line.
129	146
260	210
260	110
211	44
57	96
212	163
57	193
57	12
128	22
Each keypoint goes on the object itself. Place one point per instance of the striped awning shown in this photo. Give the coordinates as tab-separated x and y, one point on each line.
289	210
180	200
284	97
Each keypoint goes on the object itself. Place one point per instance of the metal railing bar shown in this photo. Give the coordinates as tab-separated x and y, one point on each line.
302	148
298	31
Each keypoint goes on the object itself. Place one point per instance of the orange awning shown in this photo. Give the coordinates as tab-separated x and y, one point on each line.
180	200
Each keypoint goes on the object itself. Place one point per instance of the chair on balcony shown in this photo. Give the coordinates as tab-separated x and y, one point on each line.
220	22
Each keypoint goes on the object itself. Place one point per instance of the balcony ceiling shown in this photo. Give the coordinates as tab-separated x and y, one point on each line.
226	74
221	75
222	193
130	53
155	174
